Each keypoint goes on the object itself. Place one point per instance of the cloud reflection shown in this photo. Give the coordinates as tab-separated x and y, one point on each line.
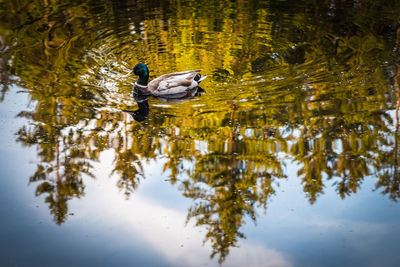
161	226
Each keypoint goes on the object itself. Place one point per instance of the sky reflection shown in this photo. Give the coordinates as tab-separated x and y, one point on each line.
104	228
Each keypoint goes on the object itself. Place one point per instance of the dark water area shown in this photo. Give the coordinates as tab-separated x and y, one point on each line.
290	156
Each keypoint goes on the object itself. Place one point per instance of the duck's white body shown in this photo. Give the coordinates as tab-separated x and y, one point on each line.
173	84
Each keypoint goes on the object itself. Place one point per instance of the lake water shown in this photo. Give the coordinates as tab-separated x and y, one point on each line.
290	157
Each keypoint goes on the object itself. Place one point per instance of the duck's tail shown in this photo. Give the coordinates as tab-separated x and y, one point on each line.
198	78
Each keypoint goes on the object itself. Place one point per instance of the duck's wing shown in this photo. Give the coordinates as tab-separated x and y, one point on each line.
173	83
188	94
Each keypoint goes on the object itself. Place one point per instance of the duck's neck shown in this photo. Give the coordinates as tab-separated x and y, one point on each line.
143	80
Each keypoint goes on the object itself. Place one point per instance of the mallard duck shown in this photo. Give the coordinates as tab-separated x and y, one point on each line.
172	85
143	112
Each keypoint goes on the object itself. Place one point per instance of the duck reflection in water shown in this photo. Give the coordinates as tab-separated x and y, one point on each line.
143	110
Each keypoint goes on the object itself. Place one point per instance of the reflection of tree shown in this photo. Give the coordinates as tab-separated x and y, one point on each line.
231	176
127	164
343	148
322	98
389	176
63	161
4	75
226	187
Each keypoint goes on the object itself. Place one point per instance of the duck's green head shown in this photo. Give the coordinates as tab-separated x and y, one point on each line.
142	71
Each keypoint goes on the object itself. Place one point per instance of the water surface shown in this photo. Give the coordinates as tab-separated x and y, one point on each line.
289	158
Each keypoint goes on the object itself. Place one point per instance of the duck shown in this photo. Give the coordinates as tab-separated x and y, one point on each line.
142	112
172	85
